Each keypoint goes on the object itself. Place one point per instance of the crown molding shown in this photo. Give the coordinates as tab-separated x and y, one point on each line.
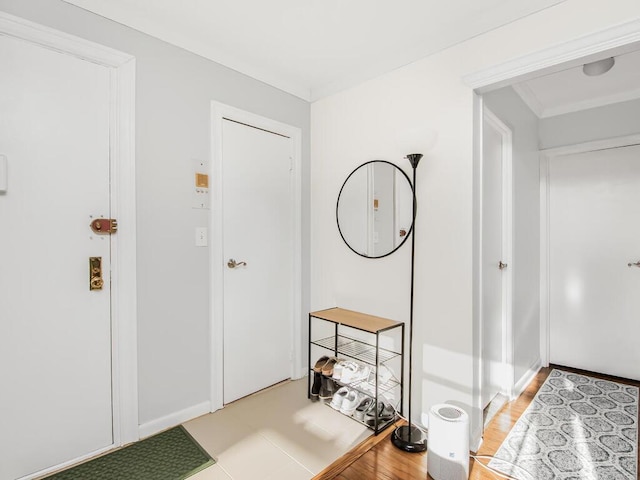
501	75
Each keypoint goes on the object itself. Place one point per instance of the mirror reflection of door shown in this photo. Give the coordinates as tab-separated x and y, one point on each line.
375	209
384	206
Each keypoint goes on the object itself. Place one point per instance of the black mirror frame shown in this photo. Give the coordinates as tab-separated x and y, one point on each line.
413	216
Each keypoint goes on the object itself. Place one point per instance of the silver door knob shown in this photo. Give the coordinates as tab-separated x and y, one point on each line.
233	264
501	265
635	264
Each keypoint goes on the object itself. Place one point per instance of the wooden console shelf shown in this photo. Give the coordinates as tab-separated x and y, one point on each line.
364	348
360	321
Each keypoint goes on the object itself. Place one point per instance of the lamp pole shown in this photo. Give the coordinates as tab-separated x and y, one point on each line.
409	437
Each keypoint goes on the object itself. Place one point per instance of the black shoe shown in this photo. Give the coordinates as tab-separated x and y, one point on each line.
317	377
316	387
365	405
328	387
385	414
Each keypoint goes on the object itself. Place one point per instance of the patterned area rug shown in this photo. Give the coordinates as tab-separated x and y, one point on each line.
170	455
576	428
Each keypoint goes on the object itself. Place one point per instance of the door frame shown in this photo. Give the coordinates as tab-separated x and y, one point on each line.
507	253
220	112
554	58
122	205
547	156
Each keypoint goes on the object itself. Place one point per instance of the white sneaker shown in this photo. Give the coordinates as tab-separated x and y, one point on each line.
337	370
342	368
350	402
351	376
338	398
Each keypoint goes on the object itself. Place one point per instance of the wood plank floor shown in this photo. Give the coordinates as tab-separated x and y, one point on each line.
376	458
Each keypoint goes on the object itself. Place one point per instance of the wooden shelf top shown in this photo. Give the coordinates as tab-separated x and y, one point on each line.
361	321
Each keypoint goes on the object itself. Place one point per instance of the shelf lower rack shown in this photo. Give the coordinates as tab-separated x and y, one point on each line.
381	426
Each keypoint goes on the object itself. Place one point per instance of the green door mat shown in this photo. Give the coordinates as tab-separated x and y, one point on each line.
170	455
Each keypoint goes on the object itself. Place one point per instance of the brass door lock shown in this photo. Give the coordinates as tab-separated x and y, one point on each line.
104	226
95	273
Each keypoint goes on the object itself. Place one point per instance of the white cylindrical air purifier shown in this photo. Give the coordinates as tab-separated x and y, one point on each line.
448	443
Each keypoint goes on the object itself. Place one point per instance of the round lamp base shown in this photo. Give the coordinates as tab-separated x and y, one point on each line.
410	439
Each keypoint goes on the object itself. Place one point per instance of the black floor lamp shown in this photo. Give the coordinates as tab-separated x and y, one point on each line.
409	437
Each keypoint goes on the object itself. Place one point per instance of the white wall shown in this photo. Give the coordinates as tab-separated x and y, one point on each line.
510	108
174	89
616	120
359	125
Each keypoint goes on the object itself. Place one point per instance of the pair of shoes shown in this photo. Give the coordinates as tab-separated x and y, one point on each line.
363	407
346	400
323	387
385	378
385	413
343	366
348	371
338	398
317	377
328	387
357	375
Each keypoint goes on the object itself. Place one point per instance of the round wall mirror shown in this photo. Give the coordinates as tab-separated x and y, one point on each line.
375	209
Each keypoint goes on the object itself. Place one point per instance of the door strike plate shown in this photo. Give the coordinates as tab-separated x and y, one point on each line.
104	226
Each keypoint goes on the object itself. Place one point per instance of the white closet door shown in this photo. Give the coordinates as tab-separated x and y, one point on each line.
594	235
258	227
492	254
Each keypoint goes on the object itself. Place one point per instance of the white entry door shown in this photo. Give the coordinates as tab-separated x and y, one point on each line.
257	235
594	234
494	256
55	334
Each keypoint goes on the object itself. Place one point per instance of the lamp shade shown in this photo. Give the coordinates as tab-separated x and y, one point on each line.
416	139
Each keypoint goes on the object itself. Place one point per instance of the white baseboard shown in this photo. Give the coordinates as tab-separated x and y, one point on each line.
171	420
526	379
67	464
304	371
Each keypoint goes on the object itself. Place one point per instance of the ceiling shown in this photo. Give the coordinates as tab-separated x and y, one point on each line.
313	48
570	90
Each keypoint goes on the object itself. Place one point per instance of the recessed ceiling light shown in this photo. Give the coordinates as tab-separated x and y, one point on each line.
598	68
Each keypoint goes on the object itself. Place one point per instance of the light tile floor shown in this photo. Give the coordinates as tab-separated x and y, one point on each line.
274	434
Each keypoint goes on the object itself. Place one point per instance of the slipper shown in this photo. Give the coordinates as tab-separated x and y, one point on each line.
320	363
327	369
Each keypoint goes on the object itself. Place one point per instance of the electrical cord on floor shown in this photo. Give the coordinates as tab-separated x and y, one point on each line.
499	473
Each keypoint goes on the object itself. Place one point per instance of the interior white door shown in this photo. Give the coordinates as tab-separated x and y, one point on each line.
492	255
55	334
257	234
594	234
